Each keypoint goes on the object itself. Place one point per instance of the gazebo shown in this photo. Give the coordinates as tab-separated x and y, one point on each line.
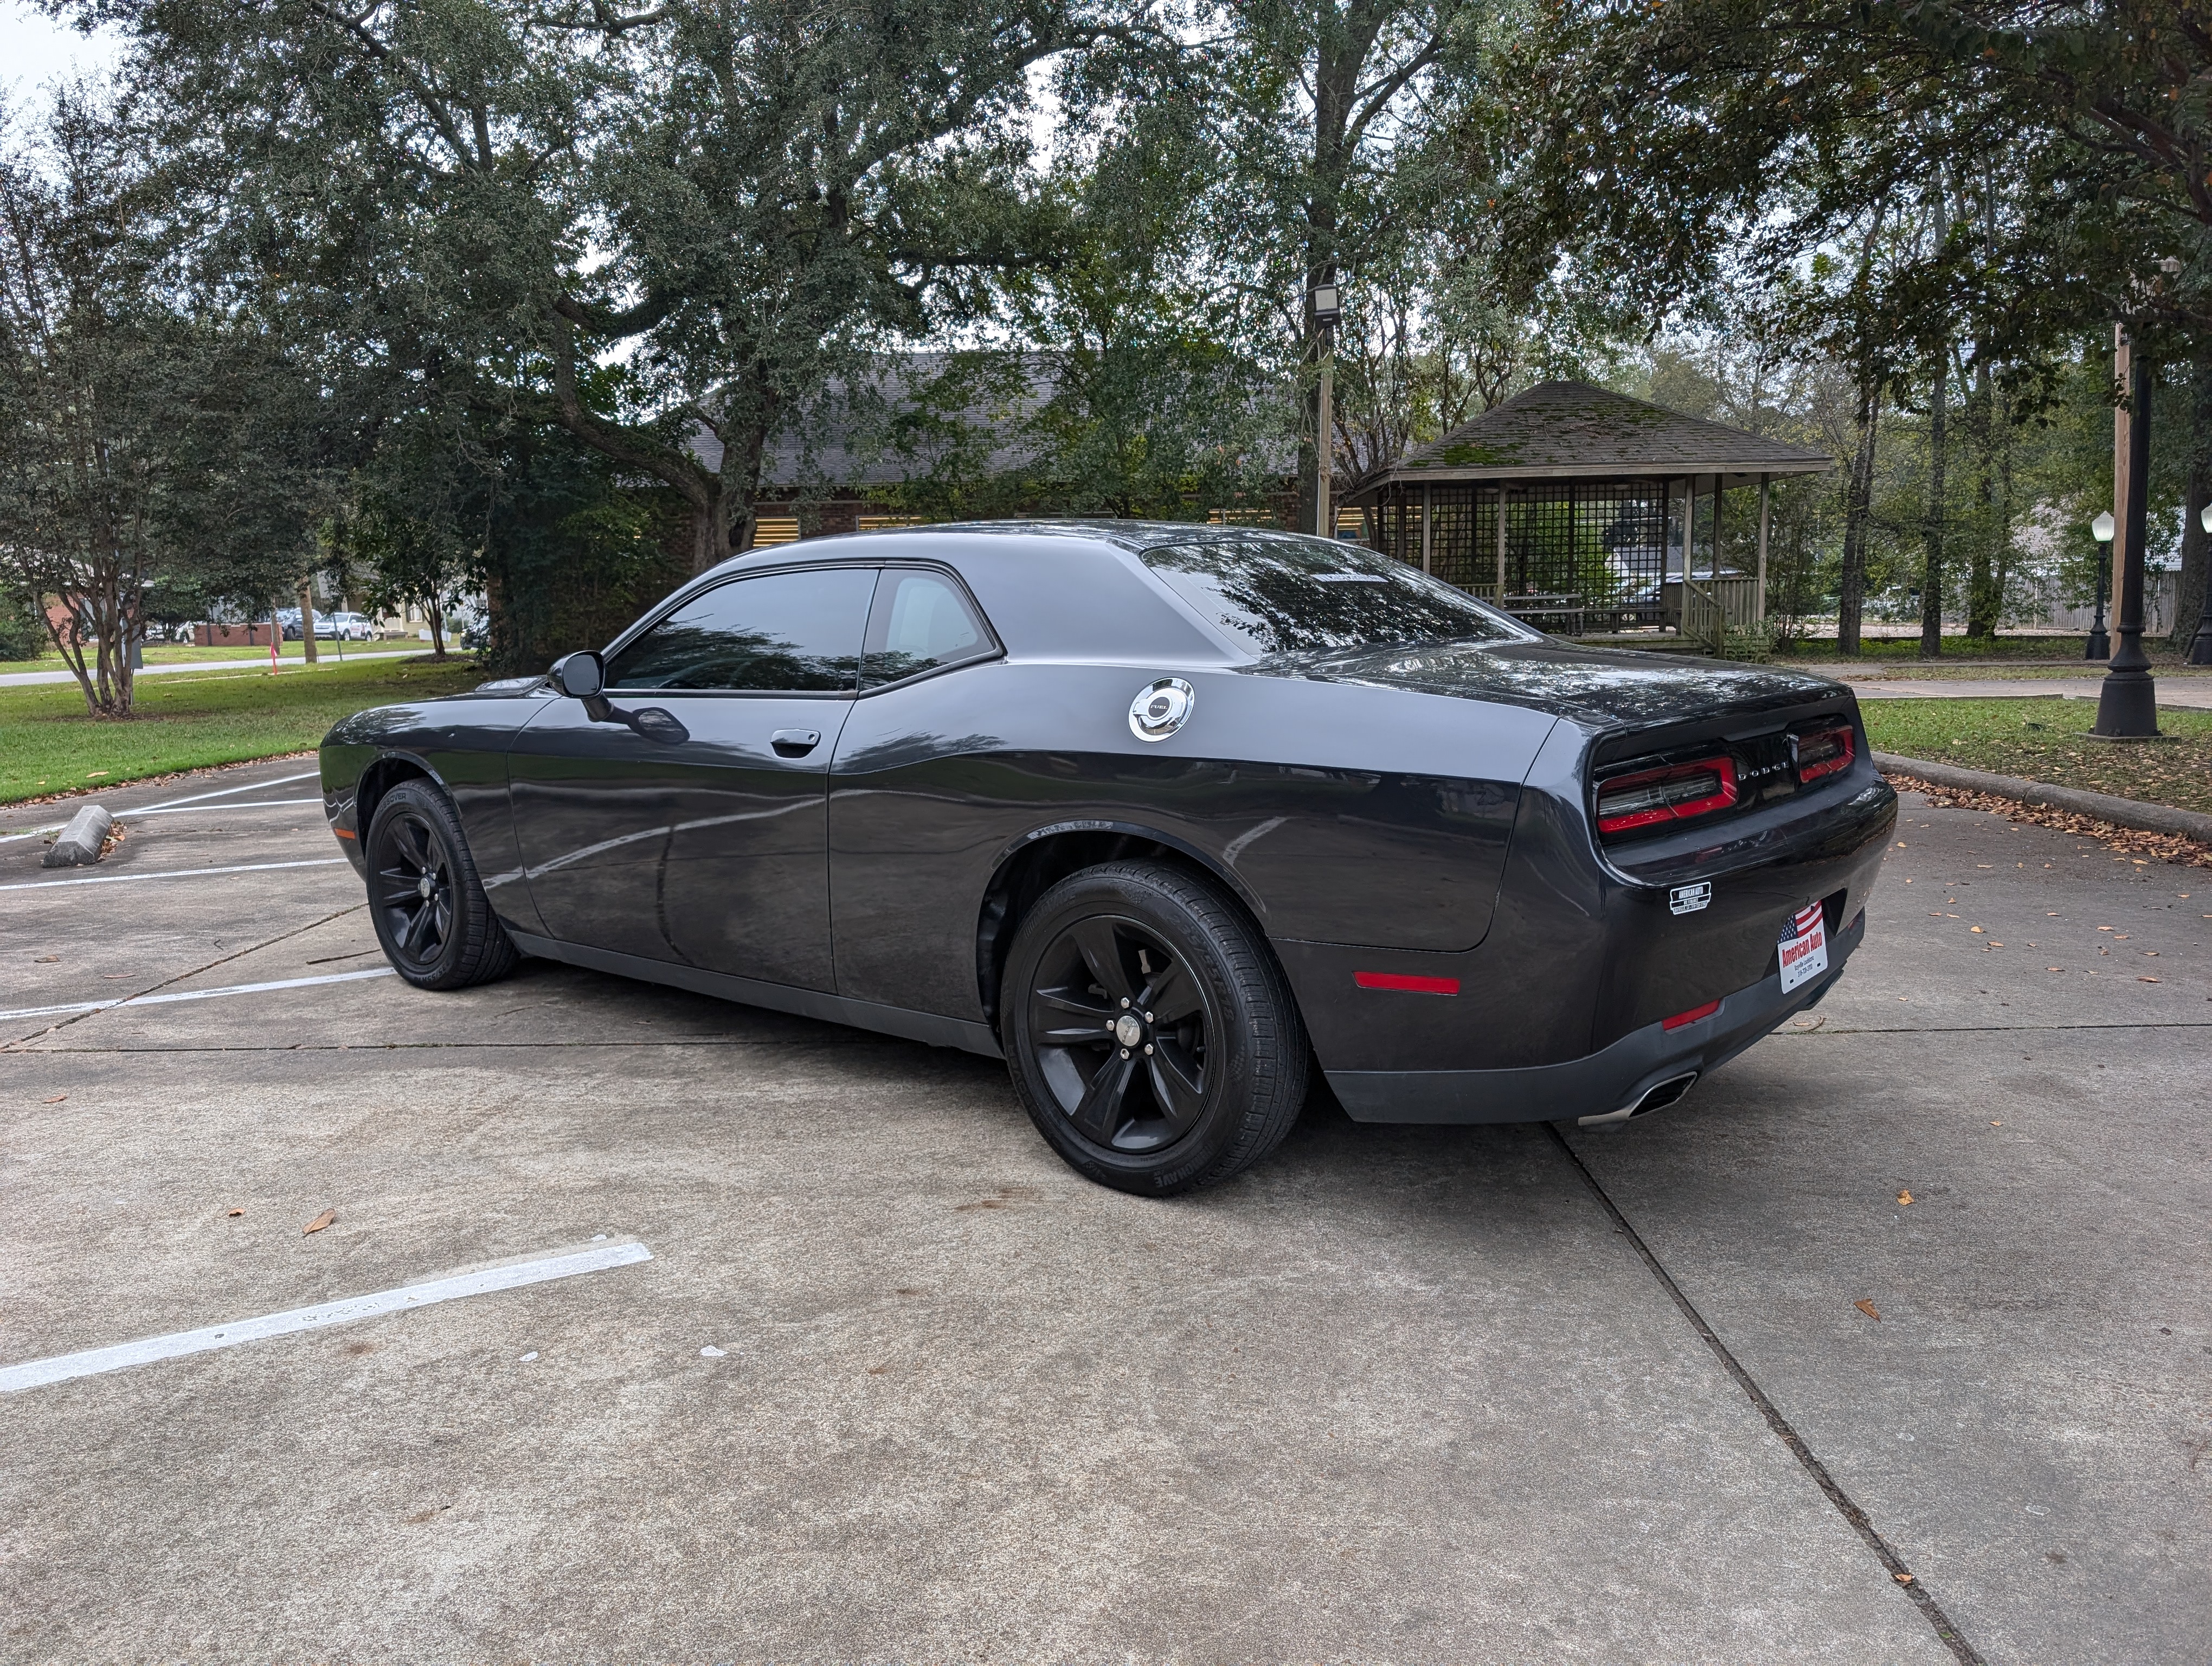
1579	510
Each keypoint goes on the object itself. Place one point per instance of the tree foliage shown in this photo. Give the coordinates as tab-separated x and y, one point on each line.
154	435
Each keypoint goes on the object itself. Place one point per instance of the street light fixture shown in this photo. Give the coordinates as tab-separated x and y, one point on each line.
2200	646
1325	301
2101	645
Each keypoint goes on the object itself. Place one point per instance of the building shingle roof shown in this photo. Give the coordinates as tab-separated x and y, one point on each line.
1571	430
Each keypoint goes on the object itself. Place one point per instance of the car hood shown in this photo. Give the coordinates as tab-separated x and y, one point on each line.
1600	689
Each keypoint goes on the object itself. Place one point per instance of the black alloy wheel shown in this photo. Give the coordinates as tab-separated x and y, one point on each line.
431	915
1120	1028
1152	1039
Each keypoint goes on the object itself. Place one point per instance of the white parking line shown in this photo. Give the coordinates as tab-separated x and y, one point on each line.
37	1373
197	798
224	793
196	994
174	874
201	809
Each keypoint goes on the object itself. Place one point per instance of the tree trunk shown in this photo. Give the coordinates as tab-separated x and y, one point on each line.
2195	544
436	616
1858	503
1982	598
2004	518
307	624
1931	533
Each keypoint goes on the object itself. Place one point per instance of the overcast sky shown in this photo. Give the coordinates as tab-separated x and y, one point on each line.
34	50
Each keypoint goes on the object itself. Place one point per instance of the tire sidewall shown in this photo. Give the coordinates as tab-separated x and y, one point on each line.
1134	894
430	804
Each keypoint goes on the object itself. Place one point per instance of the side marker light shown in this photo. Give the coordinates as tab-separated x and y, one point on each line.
1411	986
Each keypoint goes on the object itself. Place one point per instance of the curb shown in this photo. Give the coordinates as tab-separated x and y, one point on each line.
2103	806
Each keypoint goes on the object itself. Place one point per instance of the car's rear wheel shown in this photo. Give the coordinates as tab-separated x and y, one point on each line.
1150	1034
431	914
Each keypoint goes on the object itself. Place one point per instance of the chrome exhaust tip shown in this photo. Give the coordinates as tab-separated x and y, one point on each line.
1654	1098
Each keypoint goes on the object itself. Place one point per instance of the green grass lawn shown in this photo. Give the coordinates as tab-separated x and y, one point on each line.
176	654
1889	652
2048	740
47	743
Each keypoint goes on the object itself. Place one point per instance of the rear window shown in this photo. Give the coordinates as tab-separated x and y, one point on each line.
1298	595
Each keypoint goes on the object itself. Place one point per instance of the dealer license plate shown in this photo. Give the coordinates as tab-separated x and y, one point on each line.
1804	947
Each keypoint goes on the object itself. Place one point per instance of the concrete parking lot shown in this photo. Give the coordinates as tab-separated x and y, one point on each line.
895	1386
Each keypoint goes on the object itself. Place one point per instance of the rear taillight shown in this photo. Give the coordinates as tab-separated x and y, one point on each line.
1676	792
1824	751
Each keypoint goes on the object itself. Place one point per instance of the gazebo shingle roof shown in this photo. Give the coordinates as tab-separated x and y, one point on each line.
1571	430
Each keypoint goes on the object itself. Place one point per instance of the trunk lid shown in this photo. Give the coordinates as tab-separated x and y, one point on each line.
1608	691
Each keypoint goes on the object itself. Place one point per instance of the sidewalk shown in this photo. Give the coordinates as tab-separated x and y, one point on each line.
2191	691
18	679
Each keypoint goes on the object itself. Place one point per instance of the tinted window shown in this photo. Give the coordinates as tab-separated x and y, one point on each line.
921	621
782	630
1287	595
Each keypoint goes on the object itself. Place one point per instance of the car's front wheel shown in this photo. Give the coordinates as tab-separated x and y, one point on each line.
431	914
1150	1033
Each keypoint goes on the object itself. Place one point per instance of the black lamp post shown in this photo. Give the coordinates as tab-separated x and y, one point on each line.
2200	646
2127	704
1327	300
2100	645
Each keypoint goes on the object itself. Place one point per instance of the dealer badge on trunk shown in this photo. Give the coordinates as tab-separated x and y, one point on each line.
1688	899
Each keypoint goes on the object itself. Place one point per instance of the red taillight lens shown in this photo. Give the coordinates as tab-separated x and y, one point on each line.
1825	751
1676	792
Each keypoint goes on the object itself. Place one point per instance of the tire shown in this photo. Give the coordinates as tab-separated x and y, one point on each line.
428	907
1205	1085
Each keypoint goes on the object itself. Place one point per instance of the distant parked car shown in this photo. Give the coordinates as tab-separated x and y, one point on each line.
345	626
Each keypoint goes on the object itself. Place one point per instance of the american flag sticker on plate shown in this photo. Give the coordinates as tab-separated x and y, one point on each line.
1804	947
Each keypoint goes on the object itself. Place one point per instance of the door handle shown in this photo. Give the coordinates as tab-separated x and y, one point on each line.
795	742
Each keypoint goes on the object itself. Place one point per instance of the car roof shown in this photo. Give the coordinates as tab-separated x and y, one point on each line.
1024	573
1133	536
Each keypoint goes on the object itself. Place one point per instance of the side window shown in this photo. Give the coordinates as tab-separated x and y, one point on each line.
921	621
793	631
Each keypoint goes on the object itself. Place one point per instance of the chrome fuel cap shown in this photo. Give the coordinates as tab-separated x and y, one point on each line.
1162	708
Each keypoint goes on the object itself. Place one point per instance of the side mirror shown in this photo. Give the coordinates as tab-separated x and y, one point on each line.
579	675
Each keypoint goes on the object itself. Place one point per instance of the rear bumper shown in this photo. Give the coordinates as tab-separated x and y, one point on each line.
1612	1079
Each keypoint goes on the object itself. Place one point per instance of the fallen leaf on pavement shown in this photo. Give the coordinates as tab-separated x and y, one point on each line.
2146	979
236	1214
319	1222
1902	1578
1905	1197
48	959
57	1098
1996	1124
1867	1308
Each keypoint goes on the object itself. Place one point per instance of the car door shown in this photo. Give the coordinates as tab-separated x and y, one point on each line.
909	809
683	815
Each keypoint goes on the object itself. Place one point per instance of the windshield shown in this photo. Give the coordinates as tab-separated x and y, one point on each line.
1284	595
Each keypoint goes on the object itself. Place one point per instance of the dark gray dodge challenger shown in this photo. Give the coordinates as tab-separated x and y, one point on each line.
1167	816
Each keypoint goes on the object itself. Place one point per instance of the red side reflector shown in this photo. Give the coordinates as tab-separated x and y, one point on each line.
1411	986
1690	1017
345	832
